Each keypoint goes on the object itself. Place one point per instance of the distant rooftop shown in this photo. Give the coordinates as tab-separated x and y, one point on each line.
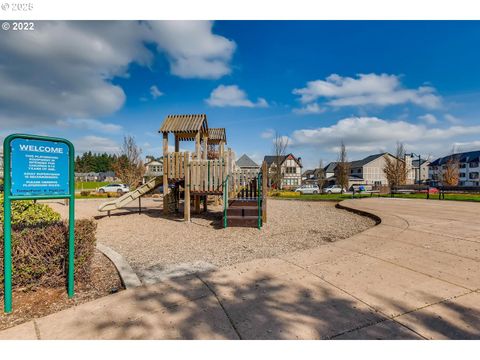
246	161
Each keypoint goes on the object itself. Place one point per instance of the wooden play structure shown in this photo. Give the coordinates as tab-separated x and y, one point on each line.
207	173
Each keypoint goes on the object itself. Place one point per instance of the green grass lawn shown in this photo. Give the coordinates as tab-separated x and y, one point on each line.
89	185
340	197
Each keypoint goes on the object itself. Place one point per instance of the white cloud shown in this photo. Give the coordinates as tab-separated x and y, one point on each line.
232	95
366	89
155	92
452	119
193	50
369	134
312	108
96	144
268	134
429	119
90	124
64	69
467	146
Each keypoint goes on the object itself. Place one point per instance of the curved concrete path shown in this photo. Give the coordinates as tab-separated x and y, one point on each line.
416	275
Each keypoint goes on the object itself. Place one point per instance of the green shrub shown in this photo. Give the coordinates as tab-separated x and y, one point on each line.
27	212
40	254
85	193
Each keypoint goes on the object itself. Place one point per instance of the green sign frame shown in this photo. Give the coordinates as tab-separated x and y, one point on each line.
7	211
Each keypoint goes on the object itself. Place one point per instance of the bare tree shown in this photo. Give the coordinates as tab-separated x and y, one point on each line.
395	168
342	170
129	165
451	169
280	145
212	152
320	175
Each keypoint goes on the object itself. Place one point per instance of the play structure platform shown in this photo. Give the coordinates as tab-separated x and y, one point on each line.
208	172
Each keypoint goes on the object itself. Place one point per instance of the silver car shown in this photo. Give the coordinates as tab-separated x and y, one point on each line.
118	188
308	189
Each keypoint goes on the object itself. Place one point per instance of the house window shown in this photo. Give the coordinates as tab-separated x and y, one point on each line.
473	164
462	175
473	175
291	170
463	166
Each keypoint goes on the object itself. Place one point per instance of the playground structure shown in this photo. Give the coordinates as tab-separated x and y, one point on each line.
208	171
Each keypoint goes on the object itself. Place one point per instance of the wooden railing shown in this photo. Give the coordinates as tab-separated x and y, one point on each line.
174	165
207	175
240	183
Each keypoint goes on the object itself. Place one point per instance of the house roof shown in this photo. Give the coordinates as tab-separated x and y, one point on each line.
246	161
368	159
270	159
215	135
330	167
462	157
188	125
308	172
415	162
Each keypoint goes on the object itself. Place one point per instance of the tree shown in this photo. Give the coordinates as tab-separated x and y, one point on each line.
320	173
395	168
451	173
342	170
128	166
280	145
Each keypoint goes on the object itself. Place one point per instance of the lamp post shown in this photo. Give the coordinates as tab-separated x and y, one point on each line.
419	166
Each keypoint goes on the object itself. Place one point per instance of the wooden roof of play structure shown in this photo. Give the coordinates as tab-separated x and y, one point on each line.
216	135
185	126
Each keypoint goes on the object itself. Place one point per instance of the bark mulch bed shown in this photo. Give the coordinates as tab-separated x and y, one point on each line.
29	304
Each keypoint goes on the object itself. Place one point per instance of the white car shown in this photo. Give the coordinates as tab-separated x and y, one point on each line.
118	188
308	189
333	189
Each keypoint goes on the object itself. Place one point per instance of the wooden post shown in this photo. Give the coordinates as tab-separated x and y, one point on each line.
139	205
186	205
205	203
196	203
177	144
165	171
264	192
222	149
197	145
205	147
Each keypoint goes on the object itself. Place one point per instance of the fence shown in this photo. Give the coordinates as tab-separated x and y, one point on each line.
174	165
207	175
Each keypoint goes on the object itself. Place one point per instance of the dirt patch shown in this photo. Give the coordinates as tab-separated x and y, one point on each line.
31	304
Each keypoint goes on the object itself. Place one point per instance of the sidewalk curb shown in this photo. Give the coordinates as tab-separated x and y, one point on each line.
128	276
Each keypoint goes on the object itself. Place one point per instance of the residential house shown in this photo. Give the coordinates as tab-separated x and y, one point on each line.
469	169
153	168
311	177
420	173
246	163
368	171
107	176
290	169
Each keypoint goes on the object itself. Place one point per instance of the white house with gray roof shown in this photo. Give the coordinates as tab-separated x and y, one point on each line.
246	163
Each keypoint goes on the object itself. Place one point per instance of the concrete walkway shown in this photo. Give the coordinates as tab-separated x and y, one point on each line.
414	276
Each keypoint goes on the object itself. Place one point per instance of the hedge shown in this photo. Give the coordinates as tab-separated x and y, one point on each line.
40	247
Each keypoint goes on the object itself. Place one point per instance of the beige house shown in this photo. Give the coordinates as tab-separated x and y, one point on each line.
153	168
369	171
291	170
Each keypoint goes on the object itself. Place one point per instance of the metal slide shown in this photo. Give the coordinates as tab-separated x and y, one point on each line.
132	195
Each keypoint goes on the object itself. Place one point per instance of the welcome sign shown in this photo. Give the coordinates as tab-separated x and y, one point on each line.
39	167
36	167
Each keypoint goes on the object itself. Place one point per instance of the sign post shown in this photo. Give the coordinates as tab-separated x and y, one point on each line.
37	167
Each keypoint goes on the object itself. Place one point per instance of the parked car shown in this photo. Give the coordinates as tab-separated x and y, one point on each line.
333	189
118	188
308	189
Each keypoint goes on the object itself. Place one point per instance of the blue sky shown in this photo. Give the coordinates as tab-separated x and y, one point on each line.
368	83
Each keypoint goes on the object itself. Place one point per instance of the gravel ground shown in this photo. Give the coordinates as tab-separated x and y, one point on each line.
153	243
